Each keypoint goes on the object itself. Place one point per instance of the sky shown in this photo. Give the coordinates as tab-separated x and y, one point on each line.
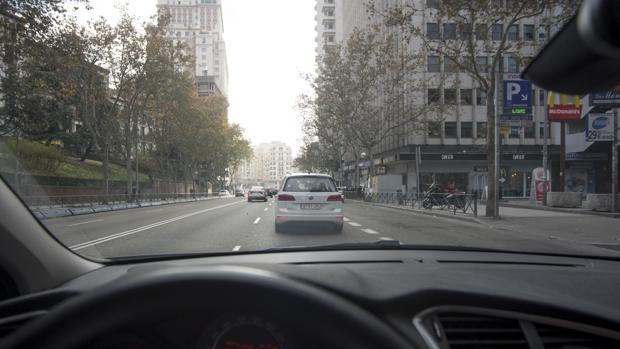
270	46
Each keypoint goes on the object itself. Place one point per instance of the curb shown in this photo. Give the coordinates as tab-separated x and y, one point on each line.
554	209
432	213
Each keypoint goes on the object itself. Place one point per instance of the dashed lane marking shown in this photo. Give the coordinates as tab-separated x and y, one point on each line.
257	220
346	219
237	248
266	209
354	224
370	231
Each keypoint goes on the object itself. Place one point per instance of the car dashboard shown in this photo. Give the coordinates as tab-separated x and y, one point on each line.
432	299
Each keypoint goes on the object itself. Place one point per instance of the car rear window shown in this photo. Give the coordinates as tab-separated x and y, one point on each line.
309	184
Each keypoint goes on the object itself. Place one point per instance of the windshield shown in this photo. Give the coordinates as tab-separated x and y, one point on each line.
154	127
309	184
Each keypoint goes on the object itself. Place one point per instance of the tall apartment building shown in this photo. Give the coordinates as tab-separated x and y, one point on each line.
329	23
454	149
200	24
271	162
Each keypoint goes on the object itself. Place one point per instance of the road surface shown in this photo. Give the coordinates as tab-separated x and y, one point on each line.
235	225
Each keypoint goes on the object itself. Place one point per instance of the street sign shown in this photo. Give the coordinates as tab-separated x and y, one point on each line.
517	97
599	128
608	99
502	180
504	130
559	108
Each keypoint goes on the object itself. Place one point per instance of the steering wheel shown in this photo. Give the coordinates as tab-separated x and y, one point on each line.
141	296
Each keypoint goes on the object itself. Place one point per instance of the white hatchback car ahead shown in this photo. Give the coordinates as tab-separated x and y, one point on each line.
309	198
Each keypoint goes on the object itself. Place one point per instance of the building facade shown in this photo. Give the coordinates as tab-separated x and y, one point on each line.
454	149
329	22
200	24
271	162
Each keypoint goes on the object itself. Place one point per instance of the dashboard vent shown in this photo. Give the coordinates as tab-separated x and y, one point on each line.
562	338
11	324
472	331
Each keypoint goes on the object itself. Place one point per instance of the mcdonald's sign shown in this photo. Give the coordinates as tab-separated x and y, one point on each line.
559	108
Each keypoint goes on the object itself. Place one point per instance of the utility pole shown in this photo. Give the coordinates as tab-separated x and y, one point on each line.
496	141
614	164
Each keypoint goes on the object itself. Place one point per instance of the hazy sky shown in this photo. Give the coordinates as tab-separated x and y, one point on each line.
270	45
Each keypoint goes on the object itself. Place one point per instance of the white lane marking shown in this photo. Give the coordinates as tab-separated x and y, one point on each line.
237	248
93	221
143	228
386	239
354	224
266	209
370	231
257	220
270	204
346	219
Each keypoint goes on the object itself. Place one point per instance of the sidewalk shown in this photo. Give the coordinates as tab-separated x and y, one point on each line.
529	205
435	212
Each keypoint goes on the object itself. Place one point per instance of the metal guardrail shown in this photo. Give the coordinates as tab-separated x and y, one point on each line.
77	201
455	202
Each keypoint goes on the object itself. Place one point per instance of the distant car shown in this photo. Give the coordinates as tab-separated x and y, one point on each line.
309	198
257	193
239	193
223	192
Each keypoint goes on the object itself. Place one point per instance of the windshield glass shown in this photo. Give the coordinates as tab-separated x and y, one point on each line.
309	184
145	128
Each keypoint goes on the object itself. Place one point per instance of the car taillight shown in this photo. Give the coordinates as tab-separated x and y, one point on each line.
334	198
285	197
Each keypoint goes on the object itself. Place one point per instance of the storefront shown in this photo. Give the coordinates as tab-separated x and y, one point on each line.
466	170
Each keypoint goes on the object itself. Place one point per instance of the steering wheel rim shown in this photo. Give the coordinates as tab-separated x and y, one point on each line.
170	291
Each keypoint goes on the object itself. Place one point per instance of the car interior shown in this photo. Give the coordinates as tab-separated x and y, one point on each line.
370	296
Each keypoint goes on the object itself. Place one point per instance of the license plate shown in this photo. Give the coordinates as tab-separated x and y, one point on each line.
310	206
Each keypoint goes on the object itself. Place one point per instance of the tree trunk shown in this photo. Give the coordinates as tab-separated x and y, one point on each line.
86	151
490	204
106	160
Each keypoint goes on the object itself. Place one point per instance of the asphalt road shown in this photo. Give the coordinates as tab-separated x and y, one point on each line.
233	225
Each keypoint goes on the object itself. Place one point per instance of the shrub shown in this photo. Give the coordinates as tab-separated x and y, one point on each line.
35	156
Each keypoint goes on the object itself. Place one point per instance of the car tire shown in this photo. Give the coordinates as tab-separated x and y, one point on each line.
338	227
279	228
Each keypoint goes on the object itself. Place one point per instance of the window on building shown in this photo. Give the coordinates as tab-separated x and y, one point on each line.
482	63
433	64
329	1
449	96
512	65
434	129
464	31
482	31
328	12
449	31
329	25
433	95
542	100
450	129
513	33
431	3
432	31
529	131
515	132
541	129
329	38
481	129
466	129
449	65
496	32
466	96
481	97
528	32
